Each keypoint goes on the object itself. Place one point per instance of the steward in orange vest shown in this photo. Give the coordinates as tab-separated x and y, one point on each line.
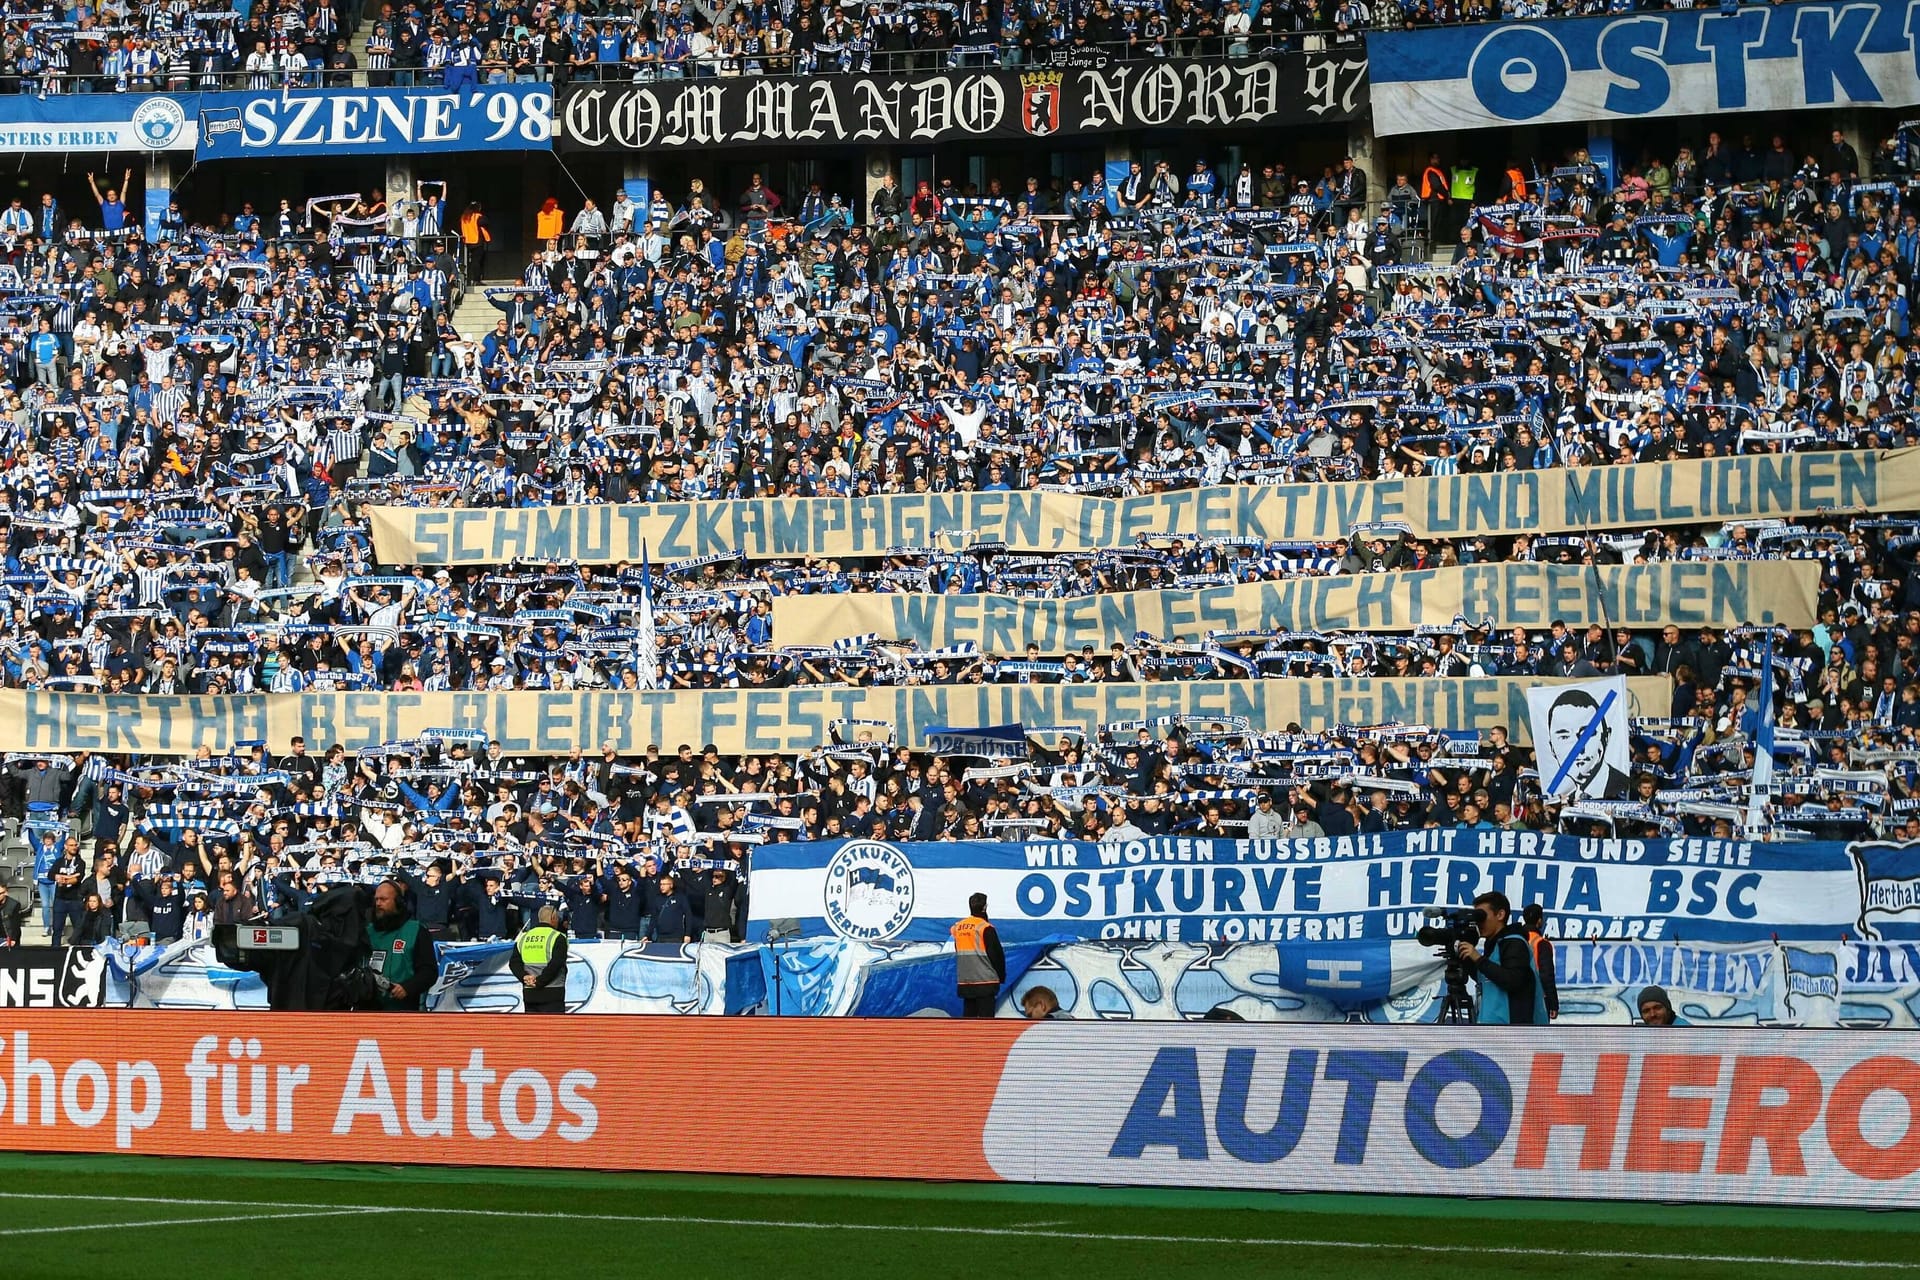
980	966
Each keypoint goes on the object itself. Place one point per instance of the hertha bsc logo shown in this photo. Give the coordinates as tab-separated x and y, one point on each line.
1040	102
869	891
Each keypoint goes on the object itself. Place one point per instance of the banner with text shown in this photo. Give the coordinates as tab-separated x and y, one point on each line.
1693	62
92	122
1555	500
299	122
1689	593
51	978
1721	1114
1339	889
347	122
790	721
1042	102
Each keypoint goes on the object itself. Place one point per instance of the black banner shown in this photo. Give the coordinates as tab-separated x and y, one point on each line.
52	978
1042	102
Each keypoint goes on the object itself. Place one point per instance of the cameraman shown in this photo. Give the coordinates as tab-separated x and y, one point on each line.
403	962
1509	988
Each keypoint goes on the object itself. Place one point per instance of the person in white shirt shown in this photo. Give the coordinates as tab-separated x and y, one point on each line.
1123	828
1236	26
623	211
1266	821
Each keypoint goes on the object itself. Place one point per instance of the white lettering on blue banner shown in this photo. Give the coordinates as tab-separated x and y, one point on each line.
1702	61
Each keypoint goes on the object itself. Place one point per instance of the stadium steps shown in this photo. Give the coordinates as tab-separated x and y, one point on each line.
474	316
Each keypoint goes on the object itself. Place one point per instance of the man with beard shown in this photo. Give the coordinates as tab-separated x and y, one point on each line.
403	963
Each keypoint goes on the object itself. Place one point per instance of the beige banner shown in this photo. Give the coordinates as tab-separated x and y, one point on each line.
786	721
1689	593
1555	500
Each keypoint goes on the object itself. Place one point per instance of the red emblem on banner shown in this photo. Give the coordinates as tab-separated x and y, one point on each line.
1040	102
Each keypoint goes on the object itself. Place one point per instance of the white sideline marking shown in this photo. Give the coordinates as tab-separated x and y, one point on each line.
1296	1242
171	1222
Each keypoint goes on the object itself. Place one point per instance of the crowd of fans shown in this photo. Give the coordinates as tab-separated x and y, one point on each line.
144	46
658	847
199	421
196	424
150	46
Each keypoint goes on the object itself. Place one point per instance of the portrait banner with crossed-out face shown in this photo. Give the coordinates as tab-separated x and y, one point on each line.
1580	736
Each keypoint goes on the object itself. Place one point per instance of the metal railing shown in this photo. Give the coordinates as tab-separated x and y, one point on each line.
820	59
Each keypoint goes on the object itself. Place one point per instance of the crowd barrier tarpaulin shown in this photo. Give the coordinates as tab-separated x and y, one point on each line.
1808	983
1643	495
1686	593
347	122
1338	889
788	721
938	106
1693	62
1708	1114
608	976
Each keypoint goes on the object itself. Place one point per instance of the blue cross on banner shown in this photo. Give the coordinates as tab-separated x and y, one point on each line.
1587	733
1582	736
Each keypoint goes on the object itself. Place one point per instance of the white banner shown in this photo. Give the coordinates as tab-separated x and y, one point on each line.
1765	1117
1580	737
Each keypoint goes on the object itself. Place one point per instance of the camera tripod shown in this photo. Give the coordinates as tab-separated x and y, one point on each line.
1456	1006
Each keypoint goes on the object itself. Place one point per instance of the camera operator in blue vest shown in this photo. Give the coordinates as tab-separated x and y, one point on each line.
1510	992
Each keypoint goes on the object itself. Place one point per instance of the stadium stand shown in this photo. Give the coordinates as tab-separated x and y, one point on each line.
200	424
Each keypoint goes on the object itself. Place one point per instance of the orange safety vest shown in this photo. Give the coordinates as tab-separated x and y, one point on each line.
471	232
548	226
1533	945
1516	184
1433	181
971	966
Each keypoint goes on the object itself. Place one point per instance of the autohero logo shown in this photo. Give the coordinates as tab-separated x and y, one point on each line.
158	122
869	891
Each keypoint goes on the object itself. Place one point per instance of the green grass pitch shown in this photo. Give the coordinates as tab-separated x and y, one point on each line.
64	1216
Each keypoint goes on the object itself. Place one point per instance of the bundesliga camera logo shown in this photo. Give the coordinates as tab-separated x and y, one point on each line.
158	121
869	894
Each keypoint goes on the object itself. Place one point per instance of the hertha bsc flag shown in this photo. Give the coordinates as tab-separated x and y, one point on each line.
1580	737
647	642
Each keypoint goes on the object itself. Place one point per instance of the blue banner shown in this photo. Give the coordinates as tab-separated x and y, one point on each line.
83	122
1678	63
1338	889
302	122
329	122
